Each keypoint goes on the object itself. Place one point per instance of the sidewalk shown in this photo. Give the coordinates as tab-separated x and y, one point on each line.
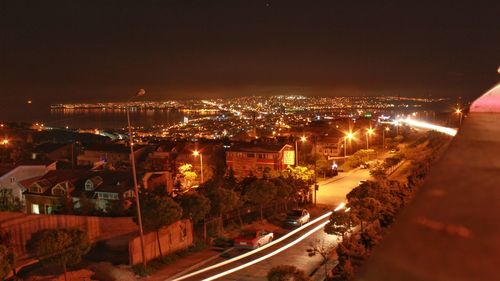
189	262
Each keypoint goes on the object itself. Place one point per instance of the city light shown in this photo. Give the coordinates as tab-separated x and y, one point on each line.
303	139
5	142
196	153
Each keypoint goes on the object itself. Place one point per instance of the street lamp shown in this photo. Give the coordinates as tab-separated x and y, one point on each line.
386	129
369	132
302	139
139	93
347	136
459	112
197	153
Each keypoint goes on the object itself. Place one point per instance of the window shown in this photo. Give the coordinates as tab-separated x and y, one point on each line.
89	186
35	209
250	155
107	196
12	179
58	190
128	194
36	189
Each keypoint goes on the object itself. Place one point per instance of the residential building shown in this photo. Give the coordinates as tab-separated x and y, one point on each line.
11	176
46	194
255	159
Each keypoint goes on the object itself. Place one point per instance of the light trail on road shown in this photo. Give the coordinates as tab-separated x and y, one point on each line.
340	206
425	125
232	270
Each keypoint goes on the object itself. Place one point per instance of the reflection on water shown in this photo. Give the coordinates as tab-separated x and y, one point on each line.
107	119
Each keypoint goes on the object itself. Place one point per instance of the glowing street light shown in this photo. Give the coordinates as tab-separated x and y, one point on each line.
369	132
348	136
302	139
195	154
5	142
459	112
386	129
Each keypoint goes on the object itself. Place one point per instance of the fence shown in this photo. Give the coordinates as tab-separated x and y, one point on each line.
22	226
177	236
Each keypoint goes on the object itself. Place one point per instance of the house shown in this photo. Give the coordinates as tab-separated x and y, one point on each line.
11	176
46	194
330	146
115	154
105	187
162	158
56	151
154	180
254	159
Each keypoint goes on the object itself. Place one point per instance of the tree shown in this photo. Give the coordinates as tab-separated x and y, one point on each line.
322	166
283	191
299	173
350	254
324	249
286	273
261	192
365	209
6	262
341	223
187	173
222	201
195	206
8	202
59	246
158	212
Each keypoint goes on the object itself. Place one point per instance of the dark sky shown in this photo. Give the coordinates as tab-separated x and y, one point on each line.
62	51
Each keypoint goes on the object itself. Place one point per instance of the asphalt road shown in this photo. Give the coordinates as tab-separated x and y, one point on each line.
331	193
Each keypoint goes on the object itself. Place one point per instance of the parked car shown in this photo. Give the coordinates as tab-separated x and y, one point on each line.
252	239
297	217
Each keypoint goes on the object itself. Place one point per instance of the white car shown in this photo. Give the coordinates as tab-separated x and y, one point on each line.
297	217
252	239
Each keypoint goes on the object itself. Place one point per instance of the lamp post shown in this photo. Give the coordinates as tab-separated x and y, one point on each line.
139	93
302	139
369	132
459	112
386	129
197	153
349	136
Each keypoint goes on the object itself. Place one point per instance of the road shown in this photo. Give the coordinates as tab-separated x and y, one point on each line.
331	192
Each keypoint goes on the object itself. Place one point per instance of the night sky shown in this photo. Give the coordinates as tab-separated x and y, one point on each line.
64	51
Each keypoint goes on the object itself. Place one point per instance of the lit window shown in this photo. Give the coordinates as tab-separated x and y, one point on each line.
35	209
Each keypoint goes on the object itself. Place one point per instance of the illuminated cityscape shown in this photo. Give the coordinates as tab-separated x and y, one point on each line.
249	140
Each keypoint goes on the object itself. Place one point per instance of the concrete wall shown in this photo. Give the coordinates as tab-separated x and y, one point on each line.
177	236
